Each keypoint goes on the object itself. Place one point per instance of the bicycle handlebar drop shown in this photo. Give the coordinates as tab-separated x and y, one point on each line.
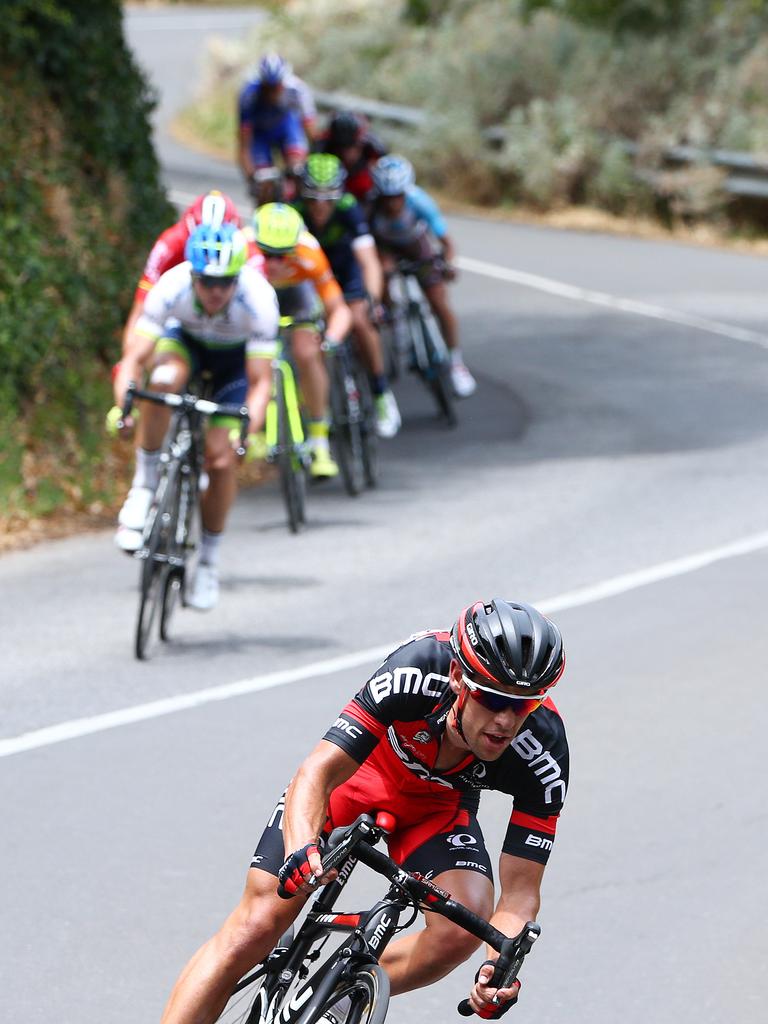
189	401
358	840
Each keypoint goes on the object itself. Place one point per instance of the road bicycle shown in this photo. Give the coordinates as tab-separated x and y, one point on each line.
172	526
286	445
289	987
353	418
413	334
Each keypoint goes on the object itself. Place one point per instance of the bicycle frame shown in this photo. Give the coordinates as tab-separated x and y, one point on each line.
282	366
291	995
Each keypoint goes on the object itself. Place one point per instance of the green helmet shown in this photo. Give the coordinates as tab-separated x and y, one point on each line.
323	177
277	228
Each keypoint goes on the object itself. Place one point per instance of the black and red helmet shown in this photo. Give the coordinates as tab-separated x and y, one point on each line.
508	642
345	129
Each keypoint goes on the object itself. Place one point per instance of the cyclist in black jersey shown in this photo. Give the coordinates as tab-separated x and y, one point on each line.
447	715
336	220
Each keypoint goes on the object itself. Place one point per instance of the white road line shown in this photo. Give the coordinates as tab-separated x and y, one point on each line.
156	709
594	298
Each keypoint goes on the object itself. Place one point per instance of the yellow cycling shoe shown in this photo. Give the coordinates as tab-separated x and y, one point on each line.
322	466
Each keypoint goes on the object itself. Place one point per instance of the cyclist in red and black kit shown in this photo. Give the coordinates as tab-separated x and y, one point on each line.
447	715
350	139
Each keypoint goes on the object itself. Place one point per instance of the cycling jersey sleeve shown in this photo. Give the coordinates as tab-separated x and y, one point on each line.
317	269
167	251
541	751
425	208
406	687
245	101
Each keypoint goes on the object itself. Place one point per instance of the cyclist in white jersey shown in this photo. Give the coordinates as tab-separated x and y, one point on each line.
209	314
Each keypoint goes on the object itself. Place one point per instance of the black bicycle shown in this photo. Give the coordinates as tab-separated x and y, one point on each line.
353	418
172	526
288	987
413	335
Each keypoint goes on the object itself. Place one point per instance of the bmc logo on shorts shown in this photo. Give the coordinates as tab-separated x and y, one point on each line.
461	840
406	680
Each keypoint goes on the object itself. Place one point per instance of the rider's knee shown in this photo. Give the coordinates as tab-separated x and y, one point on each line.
454	945
305	345
167	376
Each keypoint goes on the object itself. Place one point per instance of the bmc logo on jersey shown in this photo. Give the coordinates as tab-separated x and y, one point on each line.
351	730
541	763
406	680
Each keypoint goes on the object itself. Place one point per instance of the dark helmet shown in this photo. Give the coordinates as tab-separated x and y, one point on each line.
346	129
510	643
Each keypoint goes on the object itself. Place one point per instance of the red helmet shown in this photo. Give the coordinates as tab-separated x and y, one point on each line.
212	209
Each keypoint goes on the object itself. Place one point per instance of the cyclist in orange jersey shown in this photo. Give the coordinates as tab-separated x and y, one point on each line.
298	270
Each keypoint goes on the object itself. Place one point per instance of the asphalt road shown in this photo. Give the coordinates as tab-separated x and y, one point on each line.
605	439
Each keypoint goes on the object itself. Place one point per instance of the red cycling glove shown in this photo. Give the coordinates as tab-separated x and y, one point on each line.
295	871
492	1012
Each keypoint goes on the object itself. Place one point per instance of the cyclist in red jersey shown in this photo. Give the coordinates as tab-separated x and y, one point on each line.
445	716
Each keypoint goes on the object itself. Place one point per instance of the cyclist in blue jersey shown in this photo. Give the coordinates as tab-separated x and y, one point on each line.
274	108
407	224
335	219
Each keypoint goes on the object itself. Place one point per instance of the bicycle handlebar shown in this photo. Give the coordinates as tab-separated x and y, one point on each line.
358	840
188	401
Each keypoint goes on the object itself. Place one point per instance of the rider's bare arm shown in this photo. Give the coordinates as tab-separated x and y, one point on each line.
518	903
306	800
137	354
259	375
338	318
449	249
247	165
130	324
370	264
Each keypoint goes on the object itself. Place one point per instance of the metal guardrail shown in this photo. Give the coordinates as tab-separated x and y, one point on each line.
746	175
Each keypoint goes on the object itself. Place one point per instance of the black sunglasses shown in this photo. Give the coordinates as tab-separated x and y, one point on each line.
216	282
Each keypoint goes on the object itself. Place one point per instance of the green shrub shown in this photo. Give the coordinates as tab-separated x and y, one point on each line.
80	204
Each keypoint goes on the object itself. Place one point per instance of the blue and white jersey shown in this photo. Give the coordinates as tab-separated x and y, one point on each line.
250	318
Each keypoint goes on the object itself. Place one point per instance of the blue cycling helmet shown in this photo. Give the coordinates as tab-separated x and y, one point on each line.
273	70
393	175
216	252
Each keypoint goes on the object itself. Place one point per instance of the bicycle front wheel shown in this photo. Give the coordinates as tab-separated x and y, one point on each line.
364	1000
346	425
435	368
369	437
154	559
183	531
255	997
290	467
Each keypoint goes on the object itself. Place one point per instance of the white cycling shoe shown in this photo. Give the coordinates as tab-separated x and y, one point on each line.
464	384
133	514
131	518
388	419
205	590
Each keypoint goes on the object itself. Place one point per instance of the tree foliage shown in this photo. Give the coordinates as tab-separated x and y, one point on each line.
80	202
